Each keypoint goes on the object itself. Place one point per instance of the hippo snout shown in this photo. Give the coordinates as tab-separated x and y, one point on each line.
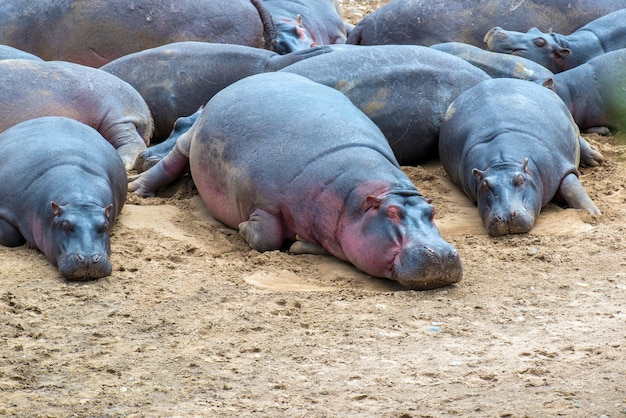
79	266
423	267
496	38
513	222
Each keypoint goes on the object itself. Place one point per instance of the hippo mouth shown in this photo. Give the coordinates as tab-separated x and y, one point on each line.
81	267
424	268
515	223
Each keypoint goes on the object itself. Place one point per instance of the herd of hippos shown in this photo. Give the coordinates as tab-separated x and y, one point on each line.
294	125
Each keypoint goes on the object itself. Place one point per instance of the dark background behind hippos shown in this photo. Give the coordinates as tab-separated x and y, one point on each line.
194	323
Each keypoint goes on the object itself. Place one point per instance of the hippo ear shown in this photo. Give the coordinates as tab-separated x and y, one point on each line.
549	83
560	52
371	202
478	175
108	210
525	166
56	208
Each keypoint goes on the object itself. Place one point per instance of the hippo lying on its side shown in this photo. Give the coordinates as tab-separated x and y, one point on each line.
561	52
495	64
301	24
176	79
512	145
95	32
327	176
595	92
404	89
435	21
61	188
30	89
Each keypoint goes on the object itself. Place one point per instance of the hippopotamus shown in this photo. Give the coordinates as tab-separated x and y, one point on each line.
97	31
9	53
176	79
437	21
327	178
495	64
512	146
404	89
561	52
30	89
594	91
301	24
62	187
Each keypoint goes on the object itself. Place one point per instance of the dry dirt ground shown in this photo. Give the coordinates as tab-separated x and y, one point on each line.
194	323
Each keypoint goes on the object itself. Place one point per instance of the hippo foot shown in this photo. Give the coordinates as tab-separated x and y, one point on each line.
572	191
129	154
262	231
145	161
303	247
589	156
600	130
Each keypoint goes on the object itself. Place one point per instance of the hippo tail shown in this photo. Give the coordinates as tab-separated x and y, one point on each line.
269	29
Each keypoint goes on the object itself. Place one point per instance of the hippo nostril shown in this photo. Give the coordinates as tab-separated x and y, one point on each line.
96	258
80	258
499	218
513	214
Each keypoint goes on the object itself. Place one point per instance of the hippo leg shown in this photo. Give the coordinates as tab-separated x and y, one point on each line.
10	236
575	195
128	143
589	156
304	247
600	130
262	231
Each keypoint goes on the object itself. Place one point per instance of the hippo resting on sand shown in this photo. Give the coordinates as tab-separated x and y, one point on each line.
31	89
326	177
495	64
595	91
404	89
178	78
512	146
95	32
61	188
561	52
428	22
301	24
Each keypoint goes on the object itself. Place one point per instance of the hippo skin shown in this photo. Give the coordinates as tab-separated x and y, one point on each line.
404	89
512	146
561	52
60	191
495	64
10	53
97	31
327	178
595	91
176	79
301	24
428	22
30	89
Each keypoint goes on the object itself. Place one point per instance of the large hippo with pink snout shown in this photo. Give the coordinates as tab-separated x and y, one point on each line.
326	178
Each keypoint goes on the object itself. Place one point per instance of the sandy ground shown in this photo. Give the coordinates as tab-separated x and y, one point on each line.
194	323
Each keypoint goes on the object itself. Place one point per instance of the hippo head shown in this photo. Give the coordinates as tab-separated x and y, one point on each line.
393	235
293	36
79	242
542	48
508	198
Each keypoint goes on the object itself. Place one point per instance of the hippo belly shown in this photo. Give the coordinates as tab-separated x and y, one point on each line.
512	146
61	186
404	89
97	31
327	177
436	21
31	89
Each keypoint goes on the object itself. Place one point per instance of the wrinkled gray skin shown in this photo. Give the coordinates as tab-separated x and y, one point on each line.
512	146
176	79
495	64
594	92
95	32
404	89
435	21
9	53
333	185
60	191
30	89
301	24
561	52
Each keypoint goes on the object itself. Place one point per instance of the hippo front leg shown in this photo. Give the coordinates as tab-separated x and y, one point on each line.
305	247
589	156
572	191
10	236
262	231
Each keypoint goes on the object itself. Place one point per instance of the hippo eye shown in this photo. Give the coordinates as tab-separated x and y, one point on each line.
518	180
485	186
67	227
540	42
